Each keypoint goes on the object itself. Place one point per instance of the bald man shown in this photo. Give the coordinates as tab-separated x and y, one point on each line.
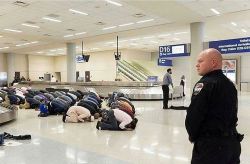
212	115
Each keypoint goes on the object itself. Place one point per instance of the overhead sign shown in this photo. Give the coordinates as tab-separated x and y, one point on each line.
239	45
79	59
173	51
152	78
164	62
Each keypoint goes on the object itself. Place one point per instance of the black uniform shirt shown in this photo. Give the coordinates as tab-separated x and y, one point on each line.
213	108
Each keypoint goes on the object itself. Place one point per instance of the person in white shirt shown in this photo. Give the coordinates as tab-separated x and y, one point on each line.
116	119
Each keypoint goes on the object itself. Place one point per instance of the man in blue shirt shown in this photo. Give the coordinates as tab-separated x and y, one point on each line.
167	80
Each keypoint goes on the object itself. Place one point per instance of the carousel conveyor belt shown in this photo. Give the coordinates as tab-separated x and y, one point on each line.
7	114
134	90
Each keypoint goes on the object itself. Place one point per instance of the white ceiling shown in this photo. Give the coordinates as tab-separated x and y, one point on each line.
170	25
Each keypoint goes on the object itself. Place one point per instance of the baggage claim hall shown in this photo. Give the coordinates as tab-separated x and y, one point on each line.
81	81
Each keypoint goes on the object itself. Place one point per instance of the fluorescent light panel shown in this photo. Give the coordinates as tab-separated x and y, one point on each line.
29	25
134	39
243	30
127	24
1	48
52	19
80	33
24	44
70	35
163	35
1	36
144	21
95	48
123	40
215	11
233	23
148	37
78	12
114	3
12	30
178	33
154	41
110	42
66	36
107	28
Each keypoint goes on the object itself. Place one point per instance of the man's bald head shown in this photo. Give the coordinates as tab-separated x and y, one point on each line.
209	60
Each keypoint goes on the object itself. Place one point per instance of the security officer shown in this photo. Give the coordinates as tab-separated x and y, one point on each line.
212	115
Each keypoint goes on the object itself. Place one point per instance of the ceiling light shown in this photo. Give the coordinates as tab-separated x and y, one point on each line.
40	52
144	21
233	23
178	33
107	28
52	50
1	48
65	36
95	48
78	12
134	39
133	44
127	24
215	11
12	30
34	42
29	25
110	42
148	37
243	30
24	44
163	35
52	19
123	40
176	39
60	49
154	41
113	2
1	36
80	33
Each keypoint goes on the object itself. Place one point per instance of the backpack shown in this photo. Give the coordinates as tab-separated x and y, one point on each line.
114	97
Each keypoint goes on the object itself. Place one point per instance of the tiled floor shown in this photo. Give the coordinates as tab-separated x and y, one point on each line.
160	137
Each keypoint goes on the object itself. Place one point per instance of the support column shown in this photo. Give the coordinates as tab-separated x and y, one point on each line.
10	67
197	33
71	62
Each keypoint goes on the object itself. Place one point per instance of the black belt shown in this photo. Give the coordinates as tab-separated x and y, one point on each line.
219	134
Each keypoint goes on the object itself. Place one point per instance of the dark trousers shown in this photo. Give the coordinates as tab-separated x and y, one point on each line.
224	150
165	90
109	121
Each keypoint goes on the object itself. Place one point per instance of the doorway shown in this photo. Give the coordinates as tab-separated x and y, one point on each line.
87	76
58	76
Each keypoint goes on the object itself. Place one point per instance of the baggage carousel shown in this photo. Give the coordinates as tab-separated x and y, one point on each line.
7	114
134	90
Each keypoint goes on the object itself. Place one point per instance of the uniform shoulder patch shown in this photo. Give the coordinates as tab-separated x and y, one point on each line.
198	87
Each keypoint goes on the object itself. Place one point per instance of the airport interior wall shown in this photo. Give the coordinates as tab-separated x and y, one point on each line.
3	61
102	65
245	67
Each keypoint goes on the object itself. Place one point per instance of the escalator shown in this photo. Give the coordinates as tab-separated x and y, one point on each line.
131	72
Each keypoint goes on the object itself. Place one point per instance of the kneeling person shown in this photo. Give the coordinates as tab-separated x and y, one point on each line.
77	114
